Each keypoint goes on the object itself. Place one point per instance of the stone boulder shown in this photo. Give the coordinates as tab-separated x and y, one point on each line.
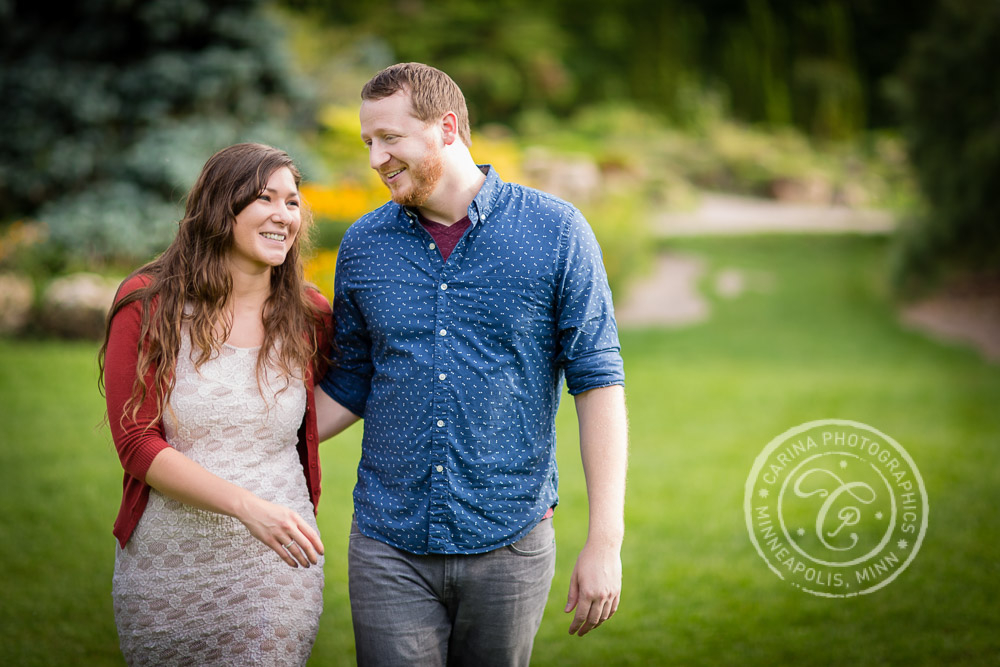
16	296
575	178
75	305
804	190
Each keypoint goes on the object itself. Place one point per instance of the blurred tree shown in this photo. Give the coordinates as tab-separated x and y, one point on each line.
821	66
507	55
112	106
951	114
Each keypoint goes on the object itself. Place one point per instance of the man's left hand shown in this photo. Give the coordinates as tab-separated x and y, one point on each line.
595	588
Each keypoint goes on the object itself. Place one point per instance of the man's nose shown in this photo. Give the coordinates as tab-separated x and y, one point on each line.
377	155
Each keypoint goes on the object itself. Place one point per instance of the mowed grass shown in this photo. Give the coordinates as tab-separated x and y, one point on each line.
814	336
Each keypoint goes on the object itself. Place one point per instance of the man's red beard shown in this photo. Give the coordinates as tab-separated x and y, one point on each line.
424	177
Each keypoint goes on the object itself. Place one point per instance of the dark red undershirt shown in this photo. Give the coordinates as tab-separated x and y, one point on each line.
446	237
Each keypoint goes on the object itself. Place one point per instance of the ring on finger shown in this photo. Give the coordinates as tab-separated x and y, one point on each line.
285	546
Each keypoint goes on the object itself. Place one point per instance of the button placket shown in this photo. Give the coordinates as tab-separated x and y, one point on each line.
440	416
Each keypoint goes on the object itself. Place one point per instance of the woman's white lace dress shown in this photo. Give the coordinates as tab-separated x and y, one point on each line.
193	587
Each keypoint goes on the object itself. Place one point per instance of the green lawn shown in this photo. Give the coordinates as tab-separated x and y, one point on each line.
816	339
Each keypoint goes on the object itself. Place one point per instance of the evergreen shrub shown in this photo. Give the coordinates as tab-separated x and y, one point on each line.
951	116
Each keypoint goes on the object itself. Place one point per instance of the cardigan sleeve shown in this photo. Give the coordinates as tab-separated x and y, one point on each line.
308	444
137	440
324	331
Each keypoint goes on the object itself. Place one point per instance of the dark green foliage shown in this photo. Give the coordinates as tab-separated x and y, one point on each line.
951	115
818	65
111	106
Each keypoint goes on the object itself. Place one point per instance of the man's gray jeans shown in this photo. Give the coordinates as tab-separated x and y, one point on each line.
481	609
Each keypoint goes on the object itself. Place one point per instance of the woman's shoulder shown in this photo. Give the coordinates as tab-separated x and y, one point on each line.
317	299
132	283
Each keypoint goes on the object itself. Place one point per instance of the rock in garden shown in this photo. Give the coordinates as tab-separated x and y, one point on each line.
804	190
15	302
575	178
76	305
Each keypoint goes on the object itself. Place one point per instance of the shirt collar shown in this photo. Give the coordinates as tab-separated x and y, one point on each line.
481	206
489	193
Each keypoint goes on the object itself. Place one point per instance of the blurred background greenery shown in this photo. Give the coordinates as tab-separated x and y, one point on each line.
111	106
630	109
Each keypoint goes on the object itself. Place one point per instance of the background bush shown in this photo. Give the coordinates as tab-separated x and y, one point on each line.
951	119
820	66
112	106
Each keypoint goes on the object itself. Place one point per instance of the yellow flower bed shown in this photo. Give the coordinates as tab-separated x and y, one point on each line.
346	201
501	152
320	270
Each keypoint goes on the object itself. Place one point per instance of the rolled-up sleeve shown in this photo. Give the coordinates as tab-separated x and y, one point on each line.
348	380
588	348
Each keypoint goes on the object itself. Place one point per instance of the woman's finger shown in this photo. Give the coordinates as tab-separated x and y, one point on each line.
296	552
315	544
305	545
283	551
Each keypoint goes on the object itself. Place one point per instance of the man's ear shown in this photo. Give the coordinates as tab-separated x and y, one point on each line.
449	128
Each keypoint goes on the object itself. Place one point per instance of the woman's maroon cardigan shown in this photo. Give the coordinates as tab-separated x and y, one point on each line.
138	445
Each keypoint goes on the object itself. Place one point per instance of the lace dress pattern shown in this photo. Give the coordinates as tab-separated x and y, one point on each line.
193	587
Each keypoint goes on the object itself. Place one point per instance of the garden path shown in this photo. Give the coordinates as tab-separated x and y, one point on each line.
669	296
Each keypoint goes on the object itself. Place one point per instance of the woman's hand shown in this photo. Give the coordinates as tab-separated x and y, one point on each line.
283	530
175	475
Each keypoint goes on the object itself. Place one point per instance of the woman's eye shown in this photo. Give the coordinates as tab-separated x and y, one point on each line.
293	203
264	197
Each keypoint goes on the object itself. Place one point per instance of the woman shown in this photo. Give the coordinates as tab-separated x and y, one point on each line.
208	367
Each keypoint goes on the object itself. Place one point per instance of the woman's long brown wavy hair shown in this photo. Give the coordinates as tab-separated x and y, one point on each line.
194	272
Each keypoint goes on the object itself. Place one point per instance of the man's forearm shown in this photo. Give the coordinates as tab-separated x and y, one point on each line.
604	450
596	583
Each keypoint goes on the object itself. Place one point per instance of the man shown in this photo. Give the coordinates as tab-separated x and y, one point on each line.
460	306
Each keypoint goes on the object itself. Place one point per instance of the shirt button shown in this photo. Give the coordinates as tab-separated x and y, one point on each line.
439	468
443	332
440	422
442	376
431	246
444	286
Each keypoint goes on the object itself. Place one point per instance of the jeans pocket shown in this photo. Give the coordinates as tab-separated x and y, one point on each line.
541	539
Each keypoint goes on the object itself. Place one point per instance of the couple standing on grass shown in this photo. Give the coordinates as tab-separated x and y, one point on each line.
459	307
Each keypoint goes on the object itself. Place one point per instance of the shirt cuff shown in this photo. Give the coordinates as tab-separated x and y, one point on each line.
338	386
595	371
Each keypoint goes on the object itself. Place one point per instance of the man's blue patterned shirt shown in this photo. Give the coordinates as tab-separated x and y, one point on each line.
457	366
